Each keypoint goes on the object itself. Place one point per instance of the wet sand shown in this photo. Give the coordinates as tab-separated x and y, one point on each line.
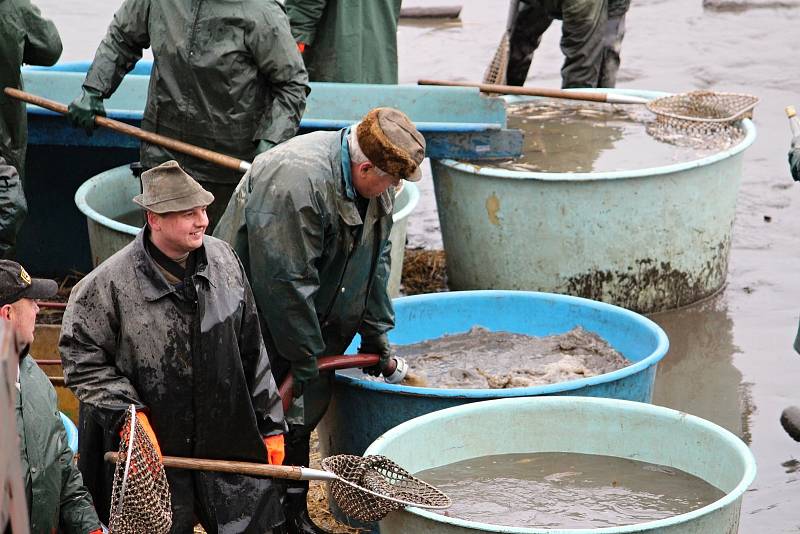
731	359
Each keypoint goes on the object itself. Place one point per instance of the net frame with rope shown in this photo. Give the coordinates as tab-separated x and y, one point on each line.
370	487
140	497
700	118
365	488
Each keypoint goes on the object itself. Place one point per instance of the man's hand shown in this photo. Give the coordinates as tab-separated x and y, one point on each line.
301	47
303	371
82	111
275	449
377	345
141	417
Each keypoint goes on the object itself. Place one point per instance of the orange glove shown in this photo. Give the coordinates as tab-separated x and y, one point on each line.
275	449
301	47
97	531
145	422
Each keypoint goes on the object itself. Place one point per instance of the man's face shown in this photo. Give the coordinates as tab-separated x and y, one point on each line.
22	315
180	232
369	183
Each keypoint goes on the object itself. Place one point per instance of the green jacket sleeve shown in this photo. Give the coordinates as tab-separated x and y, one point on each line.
255	361
379	315
121	48
42	42
304	16
77	512
285	242
276	55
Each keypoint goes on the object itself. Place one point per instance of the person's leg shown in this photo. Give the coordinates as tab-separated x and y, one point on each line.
582	32
612	42
532	21
316	397
182	494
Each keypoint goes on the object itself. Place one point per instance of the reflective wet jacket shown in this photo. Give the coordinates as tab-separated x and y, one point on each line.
57	498
225	75
25	37
319	271
192	355
350	41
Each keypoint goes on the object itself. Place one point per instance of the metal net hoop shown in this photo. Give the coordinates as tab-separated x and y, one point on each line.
703	119
140	501
370	487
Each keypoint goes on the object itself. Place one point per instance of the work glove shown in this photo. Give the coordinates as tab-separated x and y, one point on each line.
303	371
263	146
301	47
82	111
275	449
145	422
377	345
97	531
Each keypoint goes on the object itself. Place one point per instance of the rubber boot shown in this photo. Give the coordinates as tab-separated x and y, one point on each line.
296	509
790	421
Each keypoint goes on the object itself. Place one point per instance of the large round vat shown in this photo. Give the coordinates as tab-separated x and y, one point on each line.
648	240
106	201
606	427
362	410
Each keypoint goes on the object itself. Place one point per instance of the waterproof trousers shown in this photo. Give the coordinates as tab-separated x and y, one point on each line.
591	40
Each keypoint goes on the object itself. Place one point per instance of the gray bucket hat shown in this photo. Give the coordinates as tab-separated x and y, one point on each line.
168	188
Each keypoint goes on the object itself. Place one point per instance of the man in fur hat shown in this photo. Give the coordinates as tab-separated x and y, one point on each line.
311	222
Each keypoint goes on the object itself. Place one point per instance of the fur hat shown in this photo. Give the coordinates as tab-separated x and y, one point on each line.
392	143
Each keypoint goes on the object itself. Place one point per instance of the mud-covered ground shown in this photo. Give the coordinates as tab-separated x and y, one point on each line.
730	359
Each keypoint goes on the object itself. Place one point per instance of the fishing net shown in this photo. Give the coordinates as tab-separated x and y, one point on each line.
140	499
703	119
496	71
370	487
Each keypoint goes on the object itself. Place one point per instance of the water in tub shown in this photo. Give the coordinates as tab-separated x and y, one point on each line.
567	490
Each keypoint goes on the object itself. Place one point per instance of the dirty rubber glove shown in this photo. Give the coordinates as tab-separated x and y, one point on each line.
82	111
303	371
145	422
377	345
263	146
794	161
275	449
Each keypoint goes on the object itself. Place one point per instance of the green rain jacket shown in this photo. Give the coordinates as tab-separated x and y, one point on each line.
57	498
349	41
319	272
225	75
25	37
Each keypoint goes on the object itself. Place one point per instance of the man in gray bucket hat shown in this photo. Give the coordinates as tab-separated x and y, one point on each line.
311	220
169	324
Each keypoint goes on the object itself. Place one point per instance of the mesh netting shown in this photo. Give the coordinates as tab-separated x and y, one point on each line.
701	119
140	501
496	71
370	487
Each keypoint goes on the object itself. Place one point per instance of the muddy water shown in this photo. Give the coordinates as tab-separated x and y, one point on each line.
566	490
499	360
731	359
562	136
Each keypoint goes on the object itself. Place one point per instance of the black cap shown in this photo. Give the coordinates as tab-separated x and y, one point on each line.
16	283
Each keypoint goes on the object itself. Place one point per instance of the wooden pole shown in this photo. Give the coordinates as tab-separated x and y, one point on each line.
611	98
150	137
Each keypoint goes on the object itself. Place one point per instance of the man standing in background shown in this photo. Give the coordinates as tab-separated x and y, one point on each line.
25	37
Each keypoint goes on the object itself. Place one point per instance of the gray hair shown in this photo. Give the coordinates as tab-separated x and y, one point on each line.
357	157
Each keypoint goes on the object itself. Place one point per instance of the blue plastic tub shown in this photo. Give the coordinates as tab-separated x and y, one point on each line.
362	410
606	427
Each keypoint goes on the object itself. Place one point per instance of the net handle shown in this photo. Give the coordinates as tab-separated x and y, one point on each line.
289	472
131	438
